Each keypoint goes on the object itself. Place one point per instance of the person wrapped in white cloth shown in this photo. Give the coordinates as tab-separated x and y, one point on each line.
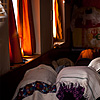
43	83
95	63
82	78
34	79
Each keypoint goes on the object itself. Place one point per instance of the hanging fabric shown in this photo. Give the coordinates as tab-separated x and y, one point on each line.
14	48
26	27
58	21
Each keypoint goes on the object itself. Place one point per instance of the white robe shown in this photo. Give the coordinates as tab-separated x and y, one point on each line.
85	76
95	63
41	73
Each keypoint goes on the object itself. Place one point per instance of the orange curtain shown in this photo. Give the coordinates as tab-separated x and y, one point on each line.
26	27
14	48
58	21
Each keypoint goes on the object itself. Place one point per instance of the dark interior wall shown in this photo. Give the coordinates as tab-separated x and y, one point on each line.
44	24
68	12
42	15
46	32
36	21
4	48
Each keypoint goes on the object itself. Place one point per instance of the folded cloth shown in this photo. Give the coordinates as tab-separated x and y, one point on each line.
42	73
82	76
95	63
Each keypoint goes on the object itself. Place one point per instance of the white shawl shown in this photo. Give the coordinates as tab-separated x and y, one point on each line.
83	75
41	73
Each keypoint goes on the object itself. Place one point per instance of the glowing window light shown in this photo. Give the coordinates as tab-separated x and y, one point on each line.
63	1
15	12
15	9
54	24
57	30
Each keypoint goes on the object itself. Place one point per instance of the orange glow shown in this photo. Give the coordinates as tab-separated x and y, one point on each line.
54	23
19	23
57	30
10	52
20	26
87	53
14	49
27	46
22	52
24	31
